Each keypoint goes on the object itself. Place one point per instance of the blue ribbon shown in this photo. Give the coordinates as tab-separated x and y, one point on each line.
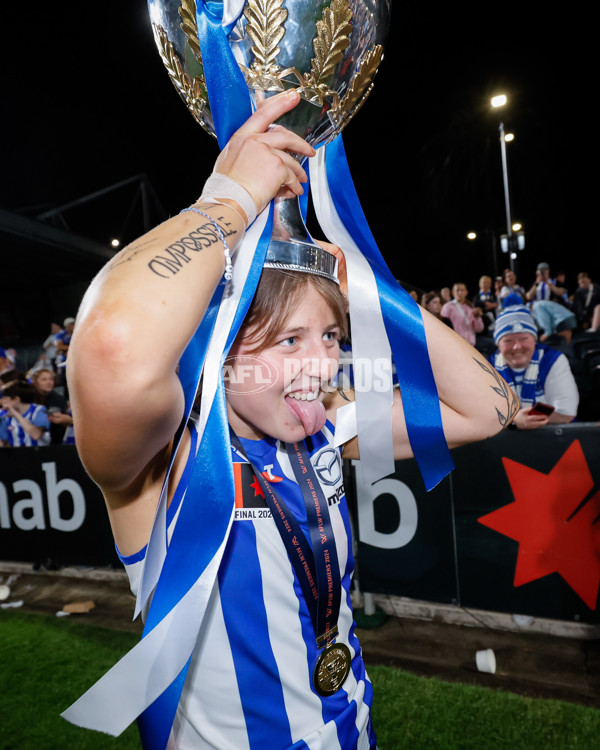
404	326
228	95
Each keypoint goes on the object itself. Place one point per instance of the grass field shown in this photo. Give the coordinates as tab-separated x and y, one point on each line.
46	663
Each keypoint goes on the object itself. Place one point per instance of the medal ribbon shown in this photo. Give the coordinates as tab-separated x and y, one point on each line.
316	569
323	542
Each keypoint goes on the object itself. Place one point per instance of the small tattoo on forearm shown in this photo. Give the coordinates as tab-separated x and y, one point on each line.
177	255
126	255
502	389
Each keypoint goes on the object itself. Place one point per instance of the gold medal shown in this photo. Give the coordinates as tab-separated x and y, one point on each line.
331	669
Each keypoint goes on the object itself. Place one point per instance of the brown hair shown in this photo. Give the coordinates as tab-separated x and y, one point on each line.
429	296
276	297
20	389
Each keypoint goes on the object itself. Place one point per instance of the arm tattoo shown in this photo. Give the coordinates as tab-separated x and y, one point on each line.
176	255
512	402
127	254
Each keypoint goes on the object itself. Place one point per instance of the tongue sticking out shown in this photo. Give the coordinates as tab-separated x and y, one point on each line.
310	413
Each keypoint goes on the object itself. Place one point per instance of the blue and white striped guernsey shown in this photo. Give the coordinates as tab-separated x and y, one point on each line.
249	685
11	430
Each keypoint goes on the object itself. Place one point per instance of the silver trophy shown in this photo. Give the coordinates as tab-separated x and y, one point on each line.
328	51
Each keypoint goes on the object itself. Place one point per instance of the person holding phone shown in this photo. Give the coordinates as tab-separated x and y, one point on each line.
540	376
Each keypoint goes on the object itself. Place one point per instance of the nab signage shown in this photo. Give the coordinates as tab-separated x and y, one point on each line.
51	510
27	505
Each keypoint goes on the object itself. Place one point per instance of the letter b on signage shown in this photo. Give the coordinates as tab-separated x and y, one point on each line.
407	506
54	490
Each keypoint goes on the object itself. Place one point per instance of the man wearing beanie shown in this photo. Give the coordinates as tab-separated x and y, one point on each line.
537	373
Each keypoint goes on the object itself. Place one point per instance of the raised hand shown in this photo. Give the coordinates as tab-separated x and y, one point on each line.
259	154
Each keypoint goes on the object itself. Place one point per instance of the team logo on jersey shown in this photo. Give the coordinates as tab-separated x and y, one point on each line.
250	501
269	476
328	466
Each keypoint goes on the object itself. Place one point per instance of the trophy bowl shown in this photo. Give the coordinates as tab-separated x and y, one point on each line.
329	51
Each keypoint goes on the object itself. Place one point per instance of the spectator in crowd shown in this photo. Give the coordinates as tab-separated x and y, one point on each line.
26	423
510	286
49	348
432	302
549	308
537	373
552	318
63	339
486	300
465	319
560	280
545	288
9	375
445	294
43	381
586	303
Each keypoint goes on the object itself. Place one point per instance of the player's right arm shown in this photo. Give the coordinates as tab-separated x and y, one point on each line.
141	311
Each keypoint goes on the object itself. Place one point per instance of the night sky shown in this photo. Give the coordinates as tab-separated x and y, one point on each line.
88	103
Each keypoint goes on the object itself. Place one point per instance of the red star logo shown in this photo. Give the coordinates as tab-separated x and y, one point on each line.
554	526
257	488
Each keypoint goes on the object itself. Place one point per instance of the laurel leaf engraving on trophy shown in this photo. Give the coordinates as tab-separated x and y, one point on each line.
193	92
331	40
359	85
187	12
265	27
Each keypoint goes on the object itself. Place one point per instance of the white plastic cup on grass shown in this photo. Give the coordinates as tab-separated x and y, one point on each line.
486	661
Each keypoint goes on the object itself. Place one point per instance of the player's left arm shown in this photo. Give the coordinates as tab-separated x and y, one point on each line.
475	401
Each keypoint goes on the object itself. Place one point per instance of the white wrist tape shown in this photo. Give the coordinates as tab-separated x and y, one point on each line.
219	186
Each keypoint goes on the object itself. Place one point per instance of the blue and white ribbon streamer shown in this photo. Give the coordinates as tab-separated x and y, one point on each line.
382	314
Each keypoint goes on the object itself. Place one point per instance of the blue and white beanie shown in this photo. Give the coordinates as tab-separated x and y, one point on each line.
515	319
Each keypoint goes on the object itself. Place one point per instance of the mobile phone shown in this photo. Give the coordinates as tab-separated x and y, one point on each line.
541	409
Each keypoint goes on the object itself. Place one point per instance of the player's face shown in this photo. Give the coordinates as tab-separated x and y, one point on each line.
517	349
279	391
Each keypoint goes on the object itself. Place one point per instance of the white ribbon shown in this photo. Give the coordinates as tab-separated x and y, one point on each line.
345	424
145	672
232	10
370	343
